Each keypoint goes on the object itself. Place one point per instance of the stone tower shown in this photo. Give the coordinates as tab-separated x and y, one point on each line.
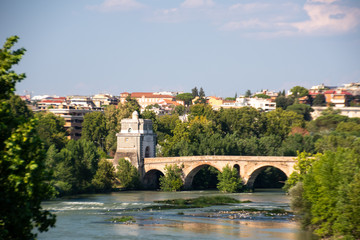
136	141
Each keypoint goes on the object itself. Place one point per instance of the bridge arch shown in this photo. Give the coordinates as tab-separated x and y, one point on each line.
255	173
151	179
189	177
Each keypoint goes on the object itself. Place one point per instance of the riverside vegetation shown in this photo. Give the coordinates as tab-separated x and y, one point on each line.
38	162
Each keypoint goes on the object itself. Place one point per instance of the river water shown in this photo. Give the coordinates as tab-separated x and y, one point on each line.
87	217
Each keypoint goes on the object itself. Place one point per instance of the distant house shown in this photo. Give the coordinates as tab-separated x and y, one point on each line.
338	98
215	102
73	120
51	102
104	100
83	102
258	103
146	98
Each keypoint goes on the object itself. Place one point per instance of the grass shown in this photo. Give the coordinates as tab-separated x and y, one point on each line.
123	219
200	202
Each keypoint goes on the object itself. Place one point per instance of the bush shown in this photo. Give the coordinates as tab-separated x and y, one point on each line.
229	180
104	177
172	181
128	175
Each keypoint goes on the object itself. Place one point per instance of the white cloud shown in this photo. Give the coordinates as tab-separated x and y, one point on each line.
328	19
197	3
117	5
321	1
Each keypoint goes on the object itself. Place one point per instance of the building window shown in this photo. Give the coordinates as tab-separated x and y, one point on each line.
129	130
147	152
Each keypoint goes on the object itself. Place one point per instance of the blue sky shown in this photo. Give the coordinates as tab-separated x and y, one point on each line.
226	47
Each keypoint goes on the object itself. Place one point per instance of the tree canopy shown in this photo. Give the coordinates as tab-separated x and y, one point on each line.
23	177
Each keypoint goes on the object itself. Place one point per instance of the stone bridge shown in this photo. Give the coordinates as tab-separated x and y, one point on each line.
248	167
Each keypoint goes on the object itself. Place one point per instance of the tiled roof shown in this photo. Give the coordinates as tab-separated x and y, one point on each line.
149	95
335	92
51	101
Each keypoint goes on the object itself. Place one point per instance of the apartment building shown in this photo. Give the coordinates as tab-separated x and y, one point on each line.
73	120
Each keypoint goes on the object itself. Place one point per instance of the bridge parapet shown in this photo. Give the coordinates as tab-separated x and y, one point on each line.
219	158
249	166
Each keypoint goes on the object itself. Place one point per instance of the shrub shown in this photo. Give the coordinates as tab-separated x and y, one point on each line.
172	181
229	180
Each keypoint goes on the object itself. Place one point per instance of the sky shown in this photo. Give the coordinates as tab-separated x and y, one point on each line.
86	47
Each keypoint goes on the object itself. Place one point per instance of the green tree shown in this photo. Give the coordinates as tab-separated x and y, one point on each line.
329	202
131	105
283	102
319	100
194	92
201	110
326	123
76	167
299	91
172	180
186	97
302	109
94	128
230	99
201	93
51	130
23	177
248	93
112	118
280	122
304	162
297	143
104	176
128	175
245	122
229	180
180	110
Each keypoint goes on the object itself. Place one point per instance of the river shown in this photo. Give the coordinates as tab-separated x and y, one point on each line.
86	217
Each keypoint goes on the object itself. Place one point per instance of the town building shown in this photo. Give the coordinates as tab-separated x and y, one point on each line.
148	98
51	102
338	98
73	120
101	100
80	102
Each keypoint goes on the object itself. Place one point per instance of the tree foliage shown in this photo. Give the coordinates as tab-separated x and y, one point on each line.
299	91
104	177
229	180
329	202
194	92
172	180
75	166
186	97
201	93
128	175
51	130
319	100
23	177
94	128
301	109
